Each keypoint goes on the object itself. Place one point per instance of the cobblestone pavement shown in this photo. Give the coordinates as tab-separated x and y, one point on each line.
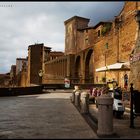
45	116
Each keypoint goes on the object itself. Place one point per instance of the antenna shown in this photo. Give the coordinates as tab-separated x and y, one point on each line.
37	42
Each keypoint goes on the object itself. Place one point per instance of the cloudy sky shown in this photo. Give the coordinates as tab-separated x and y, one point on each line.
26	23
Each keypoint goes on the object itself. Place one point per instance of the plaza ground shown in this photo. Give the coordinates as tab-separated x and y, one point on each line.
51	115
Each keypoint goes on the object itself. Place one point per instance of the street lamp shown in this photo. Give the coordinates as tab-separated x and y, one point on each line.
40	73
80	76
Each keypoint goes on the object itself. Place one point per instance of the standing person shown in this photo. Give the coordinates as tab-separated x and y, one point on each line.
125	81
90	90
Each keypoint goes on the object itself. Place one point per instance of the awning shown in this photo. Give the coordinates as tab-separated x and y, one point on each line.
117	66
101	69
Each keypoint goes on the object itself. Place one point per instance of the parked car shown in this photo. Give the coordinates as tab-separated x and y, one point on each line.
118	104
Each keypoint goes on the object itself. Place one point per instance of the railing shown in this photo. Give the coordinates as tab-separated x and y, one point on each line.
15	91
53	86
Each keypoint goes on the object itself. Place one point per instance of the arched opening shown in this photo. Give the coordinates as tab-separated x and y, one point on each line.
89	67
77	70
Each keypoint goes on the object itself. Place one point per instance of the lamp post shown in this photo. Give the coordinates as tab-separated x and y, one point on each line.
80	76
131	107
40	73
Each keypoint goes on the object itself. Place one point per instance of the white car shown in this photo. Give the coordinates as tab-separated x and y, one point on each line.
118	104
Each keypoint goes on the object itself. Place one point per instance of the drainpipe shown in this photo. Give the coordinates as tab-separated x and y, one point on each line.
118	49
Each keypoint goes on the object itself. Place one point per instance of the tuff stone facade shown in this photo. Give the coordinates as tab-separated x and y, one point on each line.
19	64
120	41
108	43
21	71
5	80
58	69
135	58
96	46
13	75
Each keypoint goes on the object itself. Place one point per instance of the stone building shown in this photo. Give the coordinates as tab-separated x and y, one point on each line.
135	58
71	65
38	55
5	80
116	45
19	64
21	74
93	54
96	54
57	70
13	75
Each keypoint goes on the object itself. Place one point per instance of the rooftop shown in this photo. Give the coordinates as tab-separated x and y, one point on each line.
75	17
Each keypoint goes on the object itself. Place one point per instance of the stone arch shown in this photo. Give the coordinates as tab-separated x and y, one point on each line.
77	69
89	67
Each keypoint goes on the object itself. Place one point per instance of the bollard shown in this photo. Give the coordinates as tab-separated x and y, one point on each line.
84	103
105	115
73	97
76	88
77	98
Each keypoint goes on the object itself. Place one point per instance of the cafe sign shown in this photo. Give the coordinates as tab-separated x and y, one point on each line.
135	58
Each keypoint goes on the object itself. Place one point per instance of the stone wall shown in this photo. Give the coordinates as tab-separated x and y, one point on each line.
121	41
58	69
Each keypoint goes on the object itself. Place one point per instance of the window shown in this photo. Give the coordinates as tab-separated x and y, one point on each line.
86	40
98	33
106	45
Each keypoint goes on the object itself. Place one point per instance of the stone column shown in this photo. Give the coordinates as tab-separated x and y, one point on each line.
84	102
105	115
63	68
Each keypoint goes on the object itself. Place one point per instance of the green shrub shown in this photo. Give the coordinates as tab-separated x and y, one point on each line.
106	28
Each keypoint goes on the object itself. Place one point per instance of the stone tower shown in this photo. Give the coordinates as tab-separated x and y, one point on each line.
37	55
34	63
71	35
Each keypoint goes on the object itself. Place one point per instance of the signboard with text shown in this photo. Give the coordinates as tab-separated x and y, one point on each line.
136	57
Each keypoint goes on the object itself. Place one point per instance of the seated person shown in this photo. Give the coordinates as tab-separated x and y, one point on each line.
98	92
94	92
